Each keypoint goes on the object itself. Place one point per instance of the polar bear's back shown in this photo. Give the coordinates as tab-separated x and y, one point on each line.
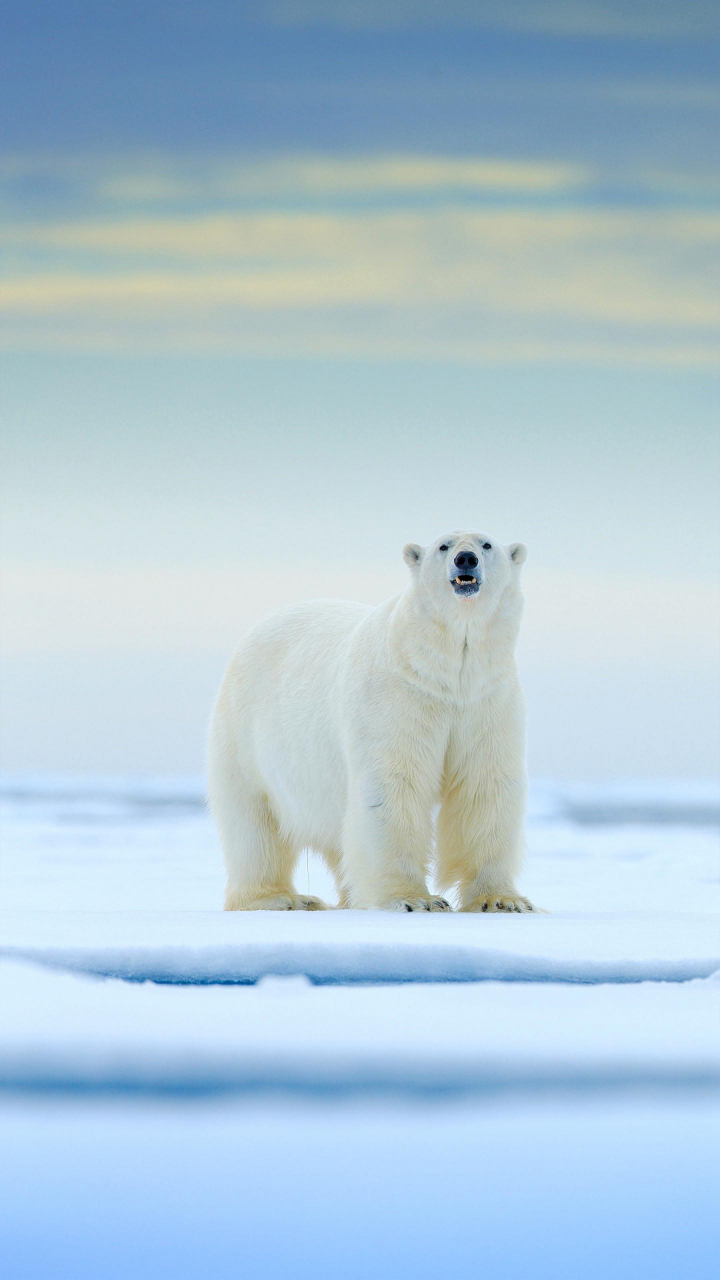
294	647
313	631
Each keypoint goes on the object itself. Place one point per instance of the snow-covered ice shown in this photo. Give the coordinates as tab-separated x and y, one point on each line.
61	1031
362	946
123	878
326	1094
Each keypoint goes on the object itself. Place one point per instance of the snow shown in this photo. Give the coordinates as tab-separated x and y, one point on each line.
359	946
123	878
355	1093
62	1031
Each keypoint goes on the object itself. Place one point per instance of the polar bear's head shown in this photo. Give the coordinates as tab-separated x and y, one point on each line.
471	567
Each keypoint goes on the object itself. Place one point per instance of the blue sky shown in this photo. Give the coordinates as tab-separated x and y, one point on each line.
83	77
603	81
470	181
339	275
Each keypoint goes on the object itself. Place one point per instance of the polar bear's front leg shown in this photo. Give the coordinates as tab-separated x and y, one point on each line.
481	825
480	836
386	847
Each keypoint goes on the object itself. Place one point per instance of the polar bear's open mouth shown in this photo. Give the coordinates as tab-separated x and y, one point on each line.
465	584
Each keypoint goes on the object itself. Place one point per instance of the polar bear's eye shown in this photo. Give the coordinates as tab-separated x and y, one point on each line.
487	546
444	547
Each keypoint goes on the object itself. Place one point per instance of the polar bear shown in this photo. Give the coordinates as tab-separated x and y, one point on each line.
381	738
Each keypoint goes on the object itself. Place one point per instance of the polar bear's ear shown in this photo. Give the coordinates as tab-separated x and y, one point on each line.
412	555
517	552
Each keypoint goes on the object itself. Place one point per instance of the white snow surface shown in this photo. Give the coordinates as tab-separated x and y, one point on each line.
123	878
62	1031
364	946
356	1093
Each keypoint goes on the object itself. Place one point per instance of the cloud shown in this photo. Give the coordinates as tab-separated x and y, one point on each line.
183	184
364	176
153	179
624	268
290	233
652	19
112	339
448	277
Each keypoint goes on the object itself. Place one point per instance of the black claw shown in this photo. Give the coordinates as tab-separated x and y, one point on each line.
408	907
484	906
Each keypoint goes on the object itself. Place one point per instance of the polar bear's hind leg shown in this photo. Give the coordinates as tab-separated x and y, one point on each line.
259	858
259	861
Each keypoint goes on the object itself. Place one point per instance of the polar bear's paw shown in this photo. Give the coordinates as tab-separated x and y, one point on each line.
276	902
417	904
500	902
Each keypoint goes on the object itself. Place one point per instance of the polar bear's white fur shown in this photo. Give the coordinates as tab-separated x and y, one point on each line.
342	728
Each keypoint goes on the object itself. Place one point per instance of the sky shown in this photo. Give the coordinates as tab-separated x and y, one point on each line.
287	285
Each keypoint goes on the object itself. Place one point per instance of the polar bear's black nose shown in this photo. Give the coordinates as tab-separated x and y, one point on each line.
466	560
